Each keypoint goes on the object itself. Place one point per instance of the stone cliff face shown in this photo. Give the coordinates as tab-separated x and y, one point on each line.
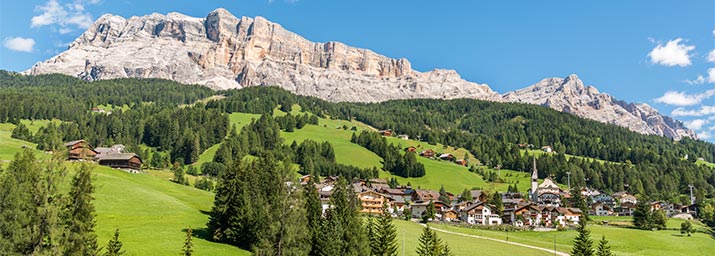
570	95
222	51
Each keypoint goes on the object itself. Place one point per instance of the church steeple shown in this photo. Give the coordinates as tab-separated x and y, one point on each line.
534	182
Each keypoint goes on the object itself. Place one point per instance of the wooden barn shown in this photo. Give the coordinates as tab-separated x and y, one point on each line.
80	150
129	161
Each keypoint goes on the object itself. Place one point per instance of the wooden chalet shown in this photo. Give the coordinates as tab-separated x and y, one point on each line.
80	150
387	132
427	153
410	149
372	202
128	161
461	162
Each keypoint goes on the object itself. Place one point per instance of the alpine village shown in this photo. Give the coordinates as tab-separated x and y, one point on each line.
167	134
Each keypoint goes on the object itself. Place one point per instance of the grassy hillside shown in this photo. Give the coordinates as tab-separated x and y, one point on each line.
152	214
9	146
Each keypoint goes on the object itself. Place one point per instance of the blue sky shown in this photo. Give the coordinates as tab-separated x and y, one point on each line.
640	51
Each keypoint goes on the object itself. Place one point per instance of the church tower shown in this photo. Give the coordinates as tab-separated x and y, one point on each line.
533	195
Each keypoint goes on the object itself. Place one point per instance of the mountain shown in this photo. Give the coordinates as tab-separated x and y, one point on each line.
570	95
222	51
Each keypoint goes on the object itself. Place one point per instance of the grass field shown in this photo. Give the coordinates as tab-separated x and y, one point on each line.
152	214
9	146
623	241
408	234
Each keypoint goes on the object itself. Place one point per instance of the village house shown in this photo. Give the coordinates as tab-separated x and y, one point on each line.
79	150
403	137
601	209
625	209
450	216
125	161
446	157
420	207
480	214
544	216
589	192
547	149
421	195
387	132
373	202
114	149
429	153
410	149
461	162
478	195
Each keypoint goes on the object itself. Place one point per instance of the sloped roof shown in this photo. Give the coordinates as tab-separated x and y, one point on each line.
548	183
70	143
118	156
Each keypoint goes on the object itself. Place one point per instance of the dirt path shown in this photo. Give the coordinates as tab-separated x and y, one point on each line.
499	240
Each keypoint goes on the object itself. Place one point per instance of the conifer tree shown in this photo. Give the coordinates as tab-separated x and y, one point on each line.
443	197
382	234
431	245
465	196
582	244
496	200
429	213
187	249
114	246
603	248
642	217
81	239
314	212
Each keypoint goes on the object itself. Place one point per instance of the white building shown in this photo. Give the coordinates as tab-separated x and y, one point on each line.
480	214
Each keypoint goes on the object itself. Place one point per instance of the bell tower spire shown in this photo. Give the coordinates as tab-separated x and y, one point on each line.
534	182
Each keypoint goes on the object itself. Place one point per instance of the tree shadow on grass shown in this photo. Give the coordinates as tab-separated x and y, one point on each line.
205	212
201	233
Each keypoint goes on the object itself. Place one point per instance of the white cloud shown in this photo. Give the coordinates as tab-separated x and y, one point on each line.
711	75
673	53
704	135
696	124
703	111
67	16
19	44
711	56
699	80
684	99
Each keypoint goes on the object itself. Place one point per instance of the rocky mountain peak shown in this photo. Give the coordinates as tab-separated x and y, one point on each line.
570	95
222	51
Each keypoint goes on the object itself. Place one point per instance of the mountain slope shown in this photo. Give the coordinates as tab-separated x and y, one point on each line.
223	51
571	96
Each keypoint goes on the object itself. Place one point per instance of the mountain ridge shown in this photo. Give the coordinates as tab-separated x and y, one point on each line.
223	51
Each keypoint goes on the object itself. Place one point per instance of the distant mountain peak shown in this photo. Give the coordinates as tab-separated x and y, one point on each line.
570	95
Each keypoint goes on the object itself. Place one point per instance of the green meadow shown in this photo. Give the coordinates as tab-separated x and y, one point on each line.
623	241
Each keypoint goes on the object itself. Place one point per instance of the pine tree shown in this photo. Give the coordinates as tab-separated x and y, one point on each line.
314	212
578	201
642	217
114	246
446	251
603	248
496	200
187	249
383	234
465	196
81	239
443	197
430	244
429	213
582	244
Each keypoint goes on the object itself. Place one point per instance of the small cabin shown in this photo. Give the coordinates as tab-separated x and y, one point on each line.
79	150
128	161
387	132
